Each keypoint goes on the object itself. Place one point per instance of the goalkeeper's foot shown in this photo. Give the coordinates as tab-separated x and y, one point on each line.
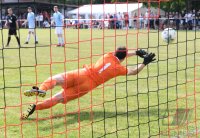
28	112
35	92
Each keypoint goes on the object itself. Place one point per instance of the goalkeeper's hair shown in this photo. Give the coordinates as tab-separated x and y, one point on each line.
121	52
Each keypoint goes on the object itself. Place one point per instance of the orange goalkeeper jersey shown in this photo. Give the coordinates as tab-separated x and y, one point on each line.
106	68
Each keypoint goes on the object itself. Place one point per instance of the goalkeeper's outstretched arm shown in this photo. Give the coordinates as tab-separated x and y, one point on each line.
141	53
148	58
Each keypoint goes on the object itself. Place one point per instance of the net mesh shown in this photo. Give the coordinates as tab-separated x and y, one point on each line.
161	101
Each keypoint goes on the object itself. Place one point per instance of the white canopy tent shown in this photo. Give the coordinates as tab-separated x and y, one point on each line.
102	9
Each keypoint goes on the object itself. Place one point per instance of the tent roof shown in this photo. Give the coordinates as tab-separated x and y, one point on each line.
105	8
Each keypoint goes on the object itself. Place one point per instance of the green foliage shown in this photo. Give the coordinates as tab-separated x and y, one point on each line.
175	5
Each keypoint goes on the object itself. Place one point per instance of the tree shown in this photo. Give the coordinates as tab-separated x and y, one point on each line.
175	5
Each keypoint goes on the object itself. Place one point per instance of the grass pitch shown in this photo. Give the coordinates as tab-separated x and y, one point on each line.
162	101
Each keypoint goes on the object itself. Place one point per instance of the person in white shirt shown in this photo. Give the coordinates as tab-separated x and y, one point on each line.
58	21
189	19
120	20
141	20
41	18
194	17
31	25
146	19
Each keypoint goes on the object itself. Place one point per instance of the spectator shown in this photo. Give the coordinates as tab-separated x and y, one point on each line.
115	19
37	20
146	19
183	22
119	20
198	19
126	19
152	20
171	19
106	22
46	16
157	21
41	19
135	21
141	19
189	19
111	21
177	20
80	22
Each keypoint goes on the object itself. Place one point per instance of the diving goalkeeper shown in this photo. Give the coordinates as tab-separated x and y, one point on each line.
79	82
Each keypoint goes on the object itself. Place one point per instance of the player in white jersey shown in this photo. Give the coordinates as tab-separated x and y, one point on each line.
31	25
58	22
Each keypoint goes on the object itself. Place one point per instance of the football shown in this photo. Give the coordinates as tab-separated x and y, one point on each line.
168	35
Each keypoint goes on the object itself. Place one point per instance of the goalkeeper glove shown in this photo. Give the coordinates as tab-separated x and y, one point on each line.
141	53
149	58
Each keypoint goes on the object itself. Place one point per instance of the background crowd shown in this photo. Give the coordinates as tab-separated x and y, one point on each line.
185	20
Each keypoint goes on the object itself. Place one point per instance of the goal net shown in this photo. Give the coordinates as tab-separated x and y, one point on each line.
161	101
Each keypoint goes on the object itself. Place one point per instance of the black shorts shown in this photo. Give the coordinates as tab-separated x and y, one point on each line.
12	31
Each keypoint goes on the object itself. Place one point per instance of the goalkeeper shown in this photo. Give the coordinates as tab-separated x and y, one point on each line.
79	82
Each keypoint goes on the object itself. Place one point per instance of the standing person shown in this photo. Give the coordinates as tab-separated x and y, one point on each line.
126	20
111	21
41	19
58	21
189	19
141	19
119	20
12	24
77	83
135	19
157	21
151	22
116	25
198	19
31	25
146	19
194	22
183	20
177	20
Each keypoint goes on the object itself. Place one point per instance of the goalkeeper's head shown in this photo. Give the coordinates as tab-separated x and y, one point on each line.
121	53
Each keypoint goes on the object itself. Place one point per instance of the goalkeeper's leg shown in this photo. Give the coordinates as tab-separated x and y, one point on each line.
57	98
51	82
48	84
64	96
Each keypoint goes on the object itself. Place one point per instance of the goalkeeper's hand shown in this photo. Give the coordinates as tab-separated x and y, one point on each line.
141	53
149	58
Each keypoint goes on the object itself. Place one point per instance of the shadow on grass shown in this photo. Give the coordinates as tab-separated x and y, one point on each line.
98	116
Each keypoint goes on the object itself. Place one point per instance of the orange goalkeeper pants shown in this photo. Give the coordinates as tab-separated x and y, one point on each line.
74	83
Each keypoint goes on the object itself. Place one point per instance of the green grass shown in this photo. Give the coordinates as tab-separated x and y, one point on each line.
137	106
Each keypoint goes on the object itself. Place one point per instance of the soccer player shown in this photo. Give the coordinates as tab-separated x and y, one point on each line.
77	83
12	24
31	25
58	22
